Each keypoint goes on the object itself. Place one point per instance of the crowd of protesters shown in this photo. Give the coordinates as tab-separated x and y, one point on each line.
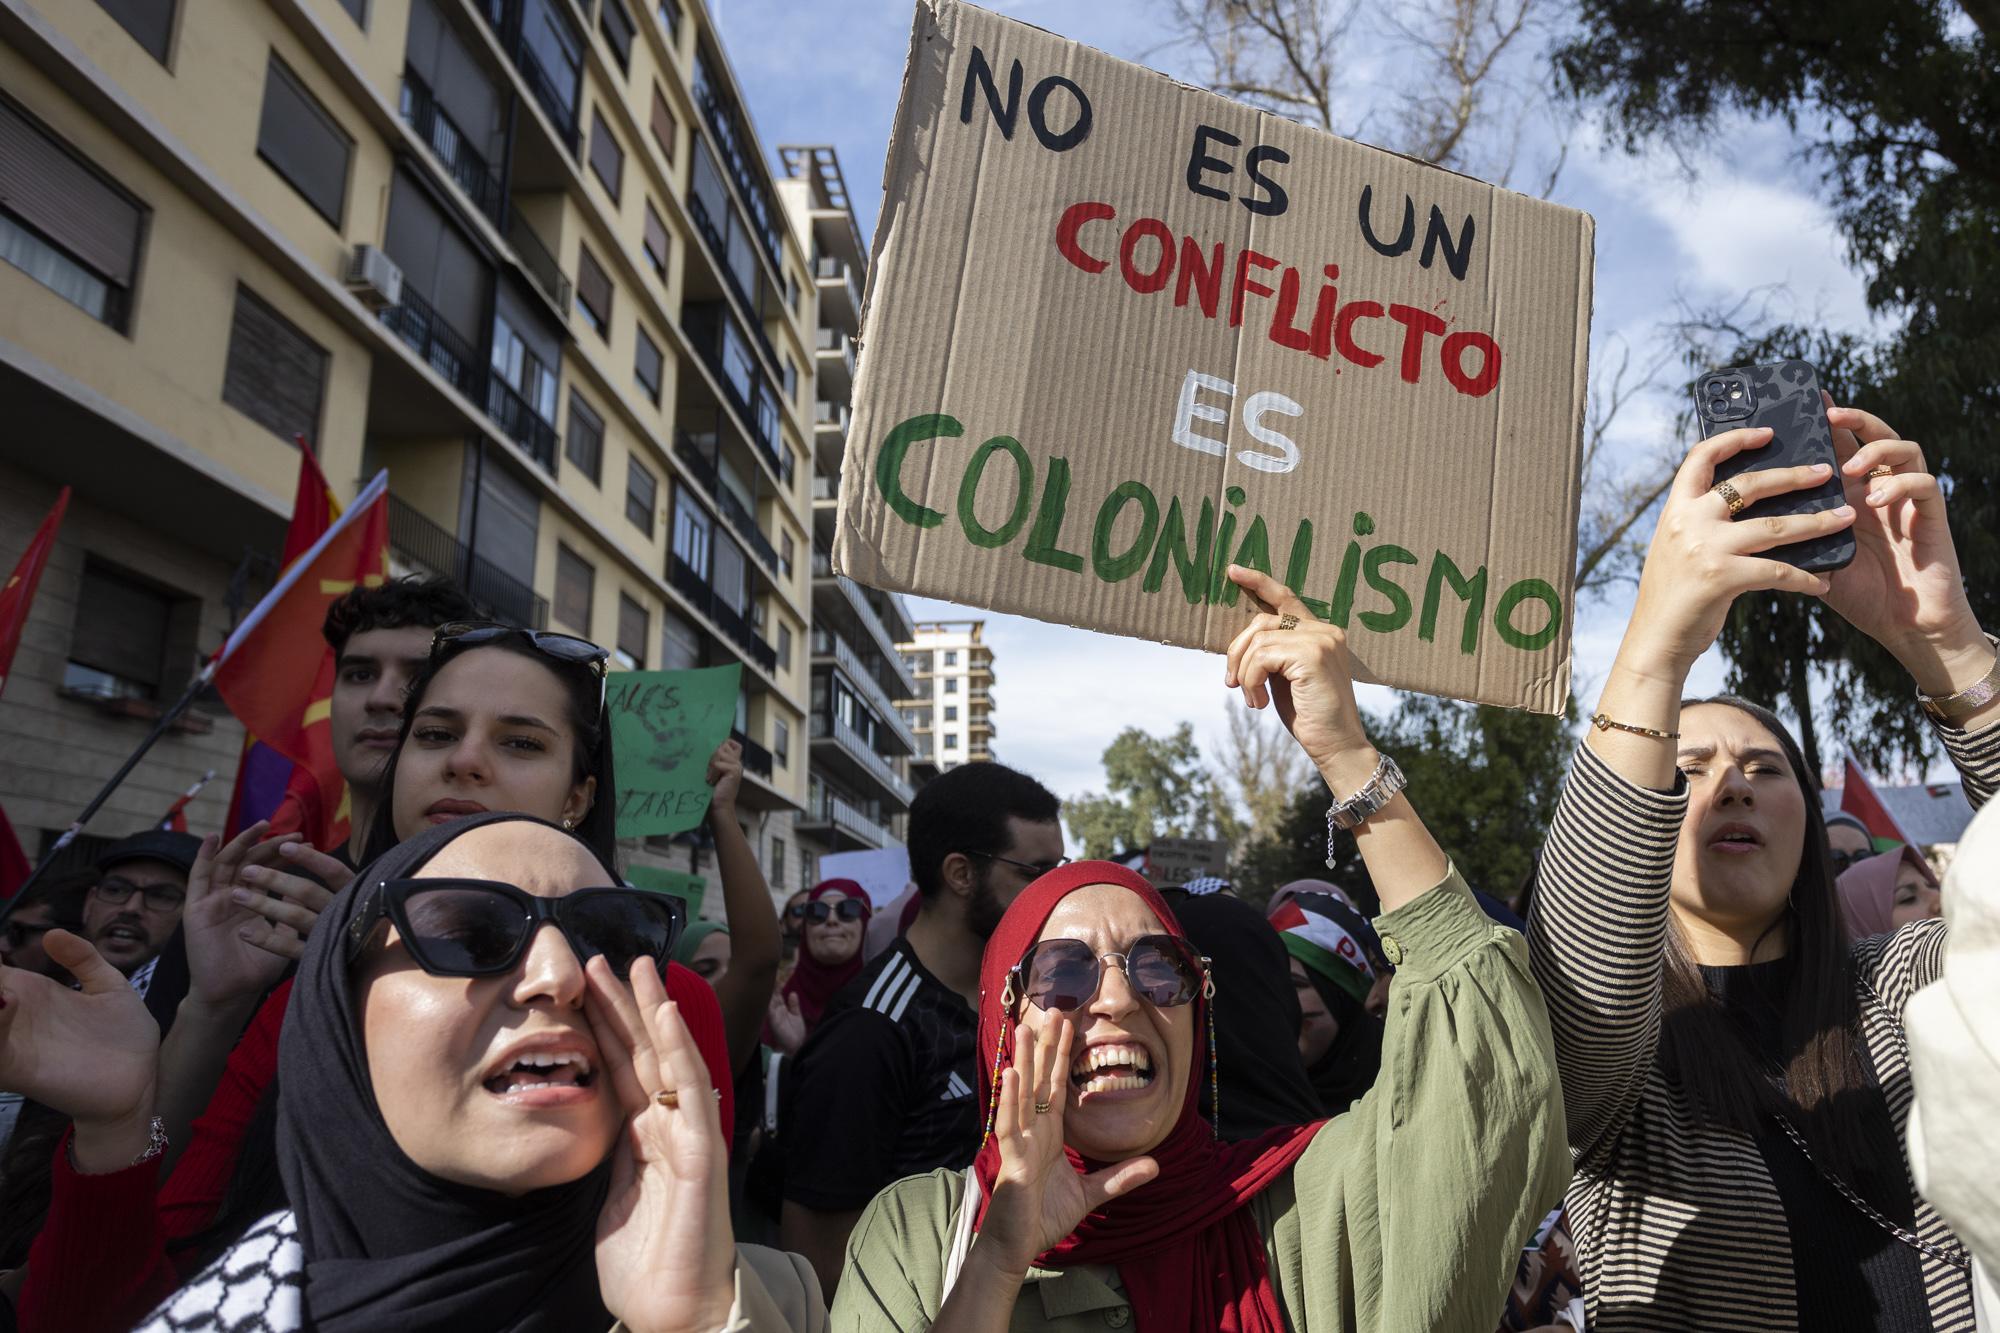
1732	1070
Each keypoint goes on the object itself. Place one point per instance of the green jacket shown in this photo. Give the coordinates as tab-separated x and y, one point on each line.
1407	1213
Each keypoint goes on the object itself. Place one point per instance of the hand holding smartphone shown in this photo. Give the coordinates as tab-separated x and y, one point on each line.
1784	396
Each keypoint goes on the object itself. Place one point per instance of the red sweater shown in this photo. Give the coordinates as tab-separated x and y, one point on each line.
101	1264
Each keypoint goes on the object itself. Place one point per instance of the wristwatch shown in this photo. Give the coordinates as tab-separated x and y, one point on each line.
1375	793
1951	709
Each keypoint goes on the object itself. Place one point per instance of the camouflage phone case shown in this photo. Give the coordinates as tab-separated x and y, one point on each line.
1783	395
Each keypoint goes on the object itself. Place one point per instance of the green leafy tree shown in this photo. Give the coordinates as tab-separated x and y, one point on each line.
1898	101
1155	787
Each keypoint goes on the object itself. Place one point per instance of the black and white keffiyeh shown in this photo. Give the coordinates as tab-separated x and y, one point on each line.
254	1288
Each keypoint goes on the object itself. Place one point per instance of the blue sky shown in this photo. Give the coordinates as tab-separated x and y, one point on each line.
1746	219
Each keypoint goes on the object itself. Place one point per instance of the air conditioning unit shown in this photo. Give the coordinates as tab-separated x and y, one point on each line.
374	278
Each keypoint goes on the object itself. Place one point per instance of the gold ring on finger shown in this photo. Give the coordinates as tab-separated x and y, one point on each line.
1041	1108
1730	497
667	1097
1881	471
1288	621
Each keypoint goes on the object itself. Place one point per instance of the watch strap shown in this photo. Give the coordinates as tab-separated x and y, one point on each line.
1954	708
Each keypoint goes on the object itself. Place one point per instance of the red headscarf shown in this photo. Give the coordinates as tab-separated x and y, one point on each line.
815	982
1189	1254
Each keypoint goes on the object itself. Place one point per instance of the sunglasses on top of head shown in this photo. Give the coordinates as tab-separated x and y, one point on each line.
1065	975
480	928
847	909
564	648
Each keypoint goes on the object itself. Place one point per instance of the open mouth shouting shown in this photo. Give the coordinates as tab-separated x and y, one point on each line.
542	1073
1736	840
1111	1067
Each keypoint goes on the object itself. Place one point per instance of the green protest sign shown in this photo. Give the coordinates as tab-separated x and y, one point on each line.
664	727
676	882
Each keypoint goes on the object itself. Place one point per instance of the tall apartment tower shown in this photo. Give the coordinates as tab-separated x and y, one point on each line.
953	705
525	254
858	787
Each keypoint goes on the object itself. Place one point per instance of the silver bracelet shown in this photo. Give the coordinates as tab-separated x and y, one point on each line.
1375	793
156	1143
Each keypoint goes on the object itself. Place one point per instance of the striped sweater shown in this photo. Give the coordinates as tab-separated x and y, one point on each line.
1678	1225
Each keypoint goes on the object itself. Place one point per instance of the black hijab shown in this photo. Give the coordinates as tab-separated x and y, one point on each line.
1263	1081
387	1244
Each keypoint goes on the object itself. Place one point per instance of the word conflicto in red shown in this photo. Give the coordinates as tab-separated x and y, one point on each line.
1149	257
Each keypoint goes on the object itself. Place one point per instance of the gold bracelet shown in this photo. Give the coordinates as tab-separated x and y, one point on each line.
1603	723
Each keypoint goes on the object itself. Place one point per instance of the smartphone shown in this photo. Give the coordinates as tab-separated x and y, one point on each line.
1783	395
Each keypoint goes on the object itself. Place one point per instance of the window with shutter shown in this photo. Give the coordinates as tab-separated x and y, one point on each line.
584	445
303	142
151	23
607	159
784	647
593	292
665	127
576	588
781	750
633	630
616	25
275	375
680	643
656	241
63	223
642	495
118	647
646	366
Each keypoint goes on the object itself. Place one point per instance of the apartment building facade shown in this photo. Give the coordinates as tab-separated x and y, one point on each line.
953	703
525	254
858	788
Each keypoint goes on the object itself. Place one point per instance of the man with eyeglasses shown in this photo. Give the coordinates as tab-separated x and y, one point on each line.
134	909
886	1085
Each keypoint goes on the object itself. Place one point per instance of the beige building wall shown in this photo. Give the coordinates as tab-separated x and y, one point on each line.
179	488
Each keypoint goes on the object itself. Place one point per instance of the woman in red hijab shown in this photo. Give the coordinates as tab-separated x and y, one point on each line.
836	920
1101	1198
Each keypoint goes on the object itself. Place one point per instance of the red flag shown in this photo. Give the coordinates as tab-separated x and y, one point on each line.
264	778
19	592
14	867
1858	798
276	671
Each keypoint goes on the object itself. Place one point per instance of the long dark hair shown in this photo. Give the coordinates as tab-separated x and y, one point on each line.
590	755
1707	1050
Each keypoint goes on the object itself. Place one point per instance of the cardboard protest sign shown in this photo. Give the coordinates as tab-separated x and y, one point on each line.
691	888
1171	861
1121	332
664	727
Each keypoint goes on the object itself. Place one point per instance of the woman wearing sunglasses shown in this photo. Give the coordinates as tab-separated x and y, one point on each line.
499	719
492	1116
1100	1196
835	918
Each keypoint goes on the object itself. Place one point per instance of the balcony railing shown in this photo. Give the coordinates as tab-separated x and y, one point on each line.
447	142
826	727
825	487
702	463
497	595
740	155
756	759
703	324
524	425
535	258
839	270
837	810
825	643
505	18
447	350
835	416
719	246
693	586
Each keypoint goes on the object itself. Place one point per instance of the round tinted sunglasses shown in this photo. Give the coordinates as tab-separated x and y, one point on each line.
480	928
1065	975
847	909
